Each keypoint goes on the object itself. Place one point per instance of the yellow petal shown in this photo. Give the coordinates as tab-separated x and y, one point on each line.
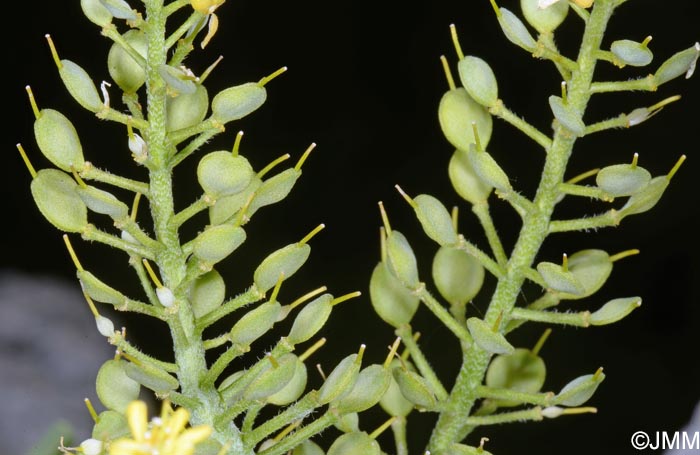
194	435
176	423
584	3
137	416
128	447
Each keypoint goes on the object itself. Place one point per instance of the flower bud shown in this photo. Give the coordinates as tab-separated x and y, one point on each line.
521	371
294	388
205	6
354	443
91	447
478	79
566	116
615	310
236	102
207	293
128	74
390	299
435	219
96	12
369	387
55	195
456	113
100	201
186	109
104	326
311	319
487	339
631	52
680	63
283	262
401	260
80	85
458	276
255	323
165	296
622	179
580	390
221	173
114	388
218	242
544	20
465	179
58	140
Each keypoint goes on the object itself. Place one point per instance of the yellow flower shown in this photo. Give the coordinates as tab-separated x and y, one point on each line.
582	3
206	6
164	435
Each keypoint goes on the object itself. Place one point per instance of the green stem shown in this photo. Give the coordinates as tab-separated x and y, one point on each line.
482	212
252	295
483	258
542	399
297	411
421	362
301	435
585	191
193	209
398	427
92	173
502	112
94	234
575	319
647	84
607	219
443	315
506	417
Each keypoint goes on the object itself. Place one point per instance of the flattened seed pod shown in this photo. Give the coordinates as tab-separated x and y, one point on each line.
227	206
544	20
465	180
236	102
615	310
126	72
114	387
218	242
591	269
394	402
462	449
488	169
566	116
207	293
157	380
110	425
255	323
178	80
80	85
631	52
272	379
514	29
341	379
58	140
456	113
521	371
682	62
100	201
560	280
96	12
580	390
414	387
646	198
120	9
221	173
435	219
622	179
285	261
311	319
478	79
294	388
401	260
186	109
308	448
98	290
56	197
274	189
370	386
395	304
354	443
458	276
487	339
348	423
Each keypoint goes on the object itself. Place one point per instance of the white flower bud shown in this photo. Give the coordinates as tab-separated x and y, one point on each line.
104	326
138	147
552	412
165	296
91	447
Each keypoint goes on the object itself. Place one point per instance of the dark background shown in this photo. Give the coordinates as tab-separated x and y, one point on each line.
364	82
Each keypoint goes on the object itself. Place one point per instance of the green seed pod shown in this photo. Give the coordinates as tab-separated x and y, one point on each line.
435	219
401	260
100	201
370	386
631	52
348	423
465	179
120	9
236	102
395	304
80	85
152	378
58	140
341	379
590	269
110	425
560	280
478	79
96	12
458	276
566	116
580	390
615	310
221	173
311	319
114	387
232	379
487	339
680	63
414	387
207	293
461	449
255	323
622	179
274	189
521	371
186	109
227	206
98	290
544	20
56	197
128	74
456	113
294	388
208	447
273	378
217	242
285	261
394	402
178	80
646	198
515	30
354	443
488	169
308	448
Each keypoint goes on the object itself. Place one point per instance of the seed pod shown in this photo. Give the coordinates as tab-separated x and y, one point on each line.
98	290
354	444
110	425
308	448
341	379
515	30
348	423
521	371
294	388
456	113
478	79
217	242
236	102
178	80
394	402
58	140
221	173
227	206
544	20
100	201
272	379
80	85
311	319
560	280
395	304
566	116
128	74
114	387
208	447
646	198
580	390
465	179
232	379
631	52
96	12
56	197
274	189
285	261
255	323
155	379
186	109
488	169
487	339
458	276
435	219
591	269
414	387
461	449
207	293
680	63
622	179
615	310
401	260
120	9
370	386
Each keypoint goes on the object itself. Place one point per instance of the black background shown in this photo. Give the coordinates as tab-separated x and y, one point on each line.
364	81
